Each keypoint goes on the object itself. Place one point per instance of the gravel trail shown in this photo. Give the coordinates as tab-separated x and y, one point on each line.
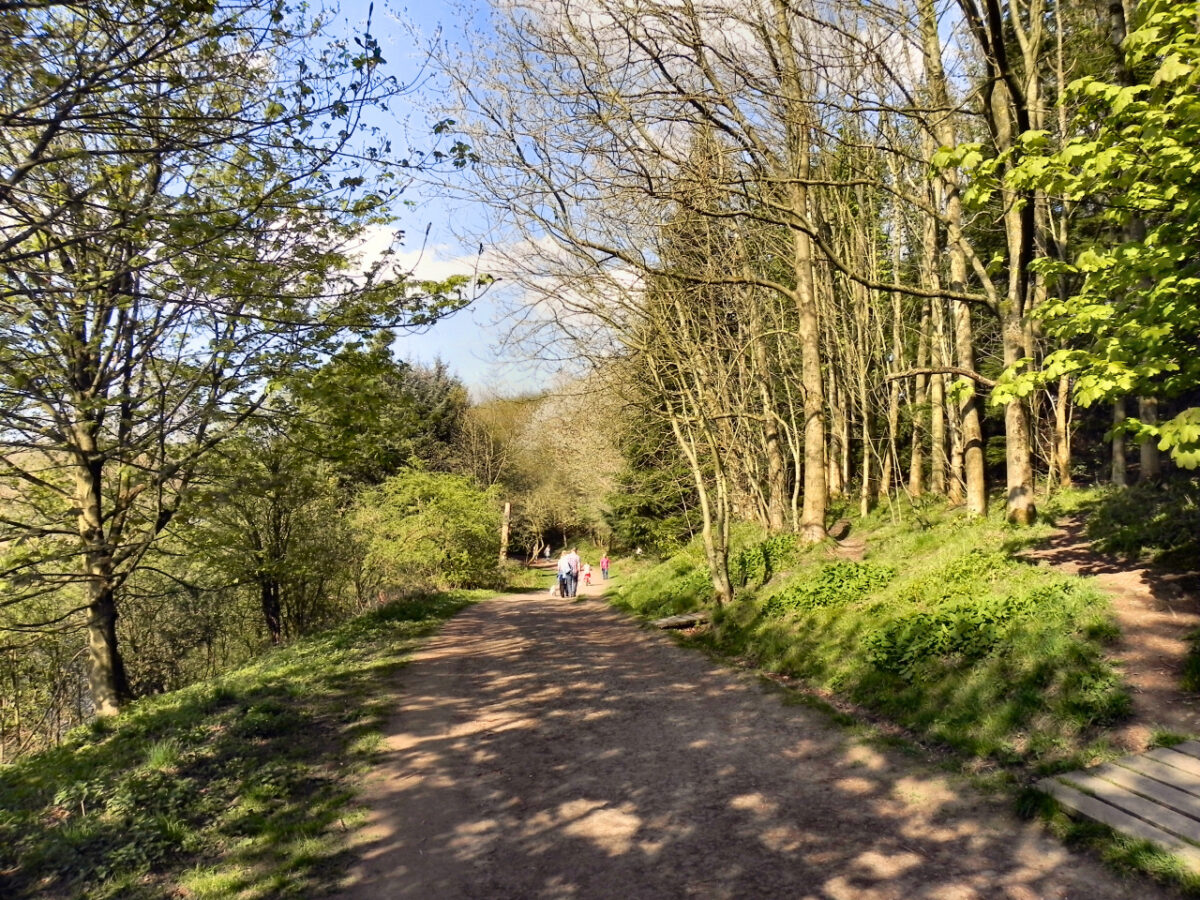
548	749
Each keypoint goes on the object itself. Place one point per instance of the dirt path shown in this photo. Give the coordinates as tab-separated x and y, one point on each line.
550	749
1156	615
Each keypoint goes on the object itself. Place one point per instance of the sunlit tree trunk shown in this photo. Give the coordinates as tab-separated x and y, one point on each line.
799	158
916	469
970	412
1062	432
1119	465
107	680
1149	458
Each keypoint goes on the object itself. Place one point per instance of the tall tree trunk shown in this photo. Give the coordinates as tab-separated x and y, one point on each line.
1120	476
1018	438
916	466
1148	453
799	174
956	485
107	679
970	407
865	496
1018	229
931	277
714	513
777	486
937	420
970	411
1062	224
891	460
837	444
505	521
1012	106
1062	432
270	600
812	514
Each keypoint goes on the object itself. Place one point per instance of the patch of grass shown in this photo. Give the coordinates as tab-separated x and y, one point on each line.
1162	738
833	585
755	564
675	585
1155	521
234	788
942	629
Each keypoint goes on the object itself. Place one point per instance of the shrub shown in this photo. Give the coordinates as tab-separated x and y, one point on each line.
944	631
755	565
964	577
835	584
966	630
1156	520
428	528
676	585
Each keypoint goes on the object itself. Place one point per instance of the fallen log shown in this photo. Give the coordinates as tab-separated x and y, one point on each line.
686	620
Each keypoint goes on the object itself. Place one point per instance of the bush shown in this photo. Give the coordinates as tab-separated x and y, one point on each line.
1160	521
835	584
964	630
430	529
676	585
757	564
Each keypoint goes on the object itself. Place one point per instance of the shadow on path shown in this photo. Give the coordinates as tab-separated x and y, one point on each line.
545	748
1156	614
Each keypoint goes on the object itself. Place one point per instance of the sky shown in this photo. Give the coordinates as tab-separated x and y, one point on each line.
469	341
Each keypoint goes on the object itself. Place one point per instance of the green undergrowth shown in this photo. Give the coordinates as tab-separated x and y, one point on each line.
1156	521
941	628
233	788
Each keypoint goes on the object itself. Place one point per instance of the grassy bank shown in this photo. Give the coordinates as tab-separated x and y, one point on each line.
231	788
941	627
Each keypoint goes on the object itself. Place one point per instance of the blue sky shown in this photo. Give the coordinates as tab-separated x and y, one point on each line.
469	340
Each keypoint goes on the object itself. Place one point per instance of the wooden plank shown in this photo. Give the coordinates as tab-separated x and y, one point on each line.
1164	794
1189	764
1117	820
1176	778
1191	748
1154	813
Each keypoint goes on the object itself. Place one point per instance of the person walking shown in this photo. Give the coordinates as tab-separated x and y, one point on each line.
564	575
573	572
604	567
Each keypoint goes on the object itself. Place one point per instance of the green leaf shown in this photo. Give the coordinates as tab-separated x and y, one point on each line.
1172	69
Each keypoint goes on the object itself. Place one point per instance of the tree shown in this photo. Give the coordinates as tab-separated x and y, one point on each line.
181	190
266	514
654	505
370	415
429	528
1133	326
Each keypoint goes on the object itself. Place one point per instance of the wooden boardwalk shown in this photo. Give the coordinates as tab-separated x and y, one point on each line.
1154	796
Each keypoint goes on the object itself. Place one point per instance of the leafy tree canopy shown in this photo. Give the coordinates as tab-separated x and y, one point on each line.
431	528
183	187
371	415
1133	325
